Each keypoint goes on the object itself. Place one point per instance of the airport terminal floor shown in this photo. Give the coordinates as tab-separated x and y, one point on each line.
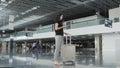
44	59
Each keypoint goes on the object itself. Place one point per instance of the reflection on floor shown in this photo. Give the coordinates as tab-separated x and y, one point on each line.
44	59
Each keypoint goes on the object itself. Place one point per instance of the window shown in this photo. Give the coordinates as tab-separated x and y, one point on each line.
116	19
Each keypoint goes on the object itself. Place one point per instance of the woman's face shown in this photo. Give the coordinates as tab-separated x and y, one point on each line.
61	17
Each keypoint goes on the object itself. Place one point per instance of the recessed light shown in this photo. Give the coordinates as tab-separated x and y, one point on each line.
36	7
10	2
1	8
17	15
27	11
22	13
3	0
3	31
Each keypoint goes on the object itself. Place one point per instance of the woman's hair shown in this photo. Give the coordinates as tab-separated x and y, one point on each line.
57	19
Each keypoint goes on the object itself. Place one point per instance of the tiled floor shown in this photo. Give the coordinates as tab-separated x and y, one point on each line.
45	60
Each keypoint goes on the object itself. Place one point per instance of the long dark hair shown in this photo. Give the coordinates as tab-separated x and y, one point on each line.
57	19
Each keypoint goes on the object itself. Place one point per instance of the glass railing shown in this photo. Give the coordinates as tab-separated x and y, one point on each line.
72	25
20	34
23	33
87	23
43	29
5	36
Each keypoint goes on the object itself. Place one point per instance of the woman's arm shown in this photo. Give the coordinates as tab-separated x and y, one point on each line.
58	28
65	33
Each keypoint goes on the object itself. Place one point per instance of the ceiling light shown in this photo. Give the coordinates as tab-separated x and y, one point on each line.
3	31
23	13
1	8
34	8
10	2
3	0
97	13
17	15
29	10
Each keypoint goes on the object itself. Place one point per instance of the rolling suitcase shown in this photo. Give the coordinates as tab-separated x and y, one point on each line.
68	52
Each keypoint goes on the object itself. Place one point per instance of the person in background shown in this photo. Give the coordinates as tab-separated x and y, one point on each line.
58	25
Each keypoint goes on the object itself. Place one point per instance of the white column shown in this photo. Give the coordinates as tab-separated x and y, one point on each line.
110	48
4	47
98	49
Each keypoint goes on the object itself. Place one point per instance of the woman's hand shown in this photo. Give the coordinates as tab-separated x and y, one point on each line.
66	33
63	26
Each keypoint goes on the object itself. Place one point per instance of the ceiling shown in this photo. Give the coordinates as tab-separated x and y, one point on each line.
47	9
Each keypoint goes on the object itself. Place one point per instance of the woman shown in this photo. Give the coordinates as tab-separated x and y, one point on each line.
59	37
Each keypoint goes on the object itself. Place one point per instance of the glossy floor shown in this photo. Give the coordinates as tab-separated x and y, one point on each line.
44	59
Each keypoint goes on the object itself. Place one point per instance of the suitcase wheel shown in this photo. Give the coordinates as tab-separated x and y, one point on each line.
69	63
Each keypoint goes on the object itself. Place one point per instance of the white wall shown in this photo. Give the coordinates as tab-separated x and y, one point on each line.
110	48
117	43
113	13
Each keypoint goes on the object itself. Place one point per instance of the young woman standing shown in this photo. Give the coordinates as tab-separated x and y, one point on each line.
58	25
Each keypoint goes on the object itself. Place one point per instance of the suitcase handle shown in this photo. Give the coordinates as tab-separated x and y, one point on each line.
69	39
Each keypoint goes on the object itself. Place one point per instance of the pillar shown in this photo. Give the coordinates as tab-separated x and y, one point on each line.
4	47
98	49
